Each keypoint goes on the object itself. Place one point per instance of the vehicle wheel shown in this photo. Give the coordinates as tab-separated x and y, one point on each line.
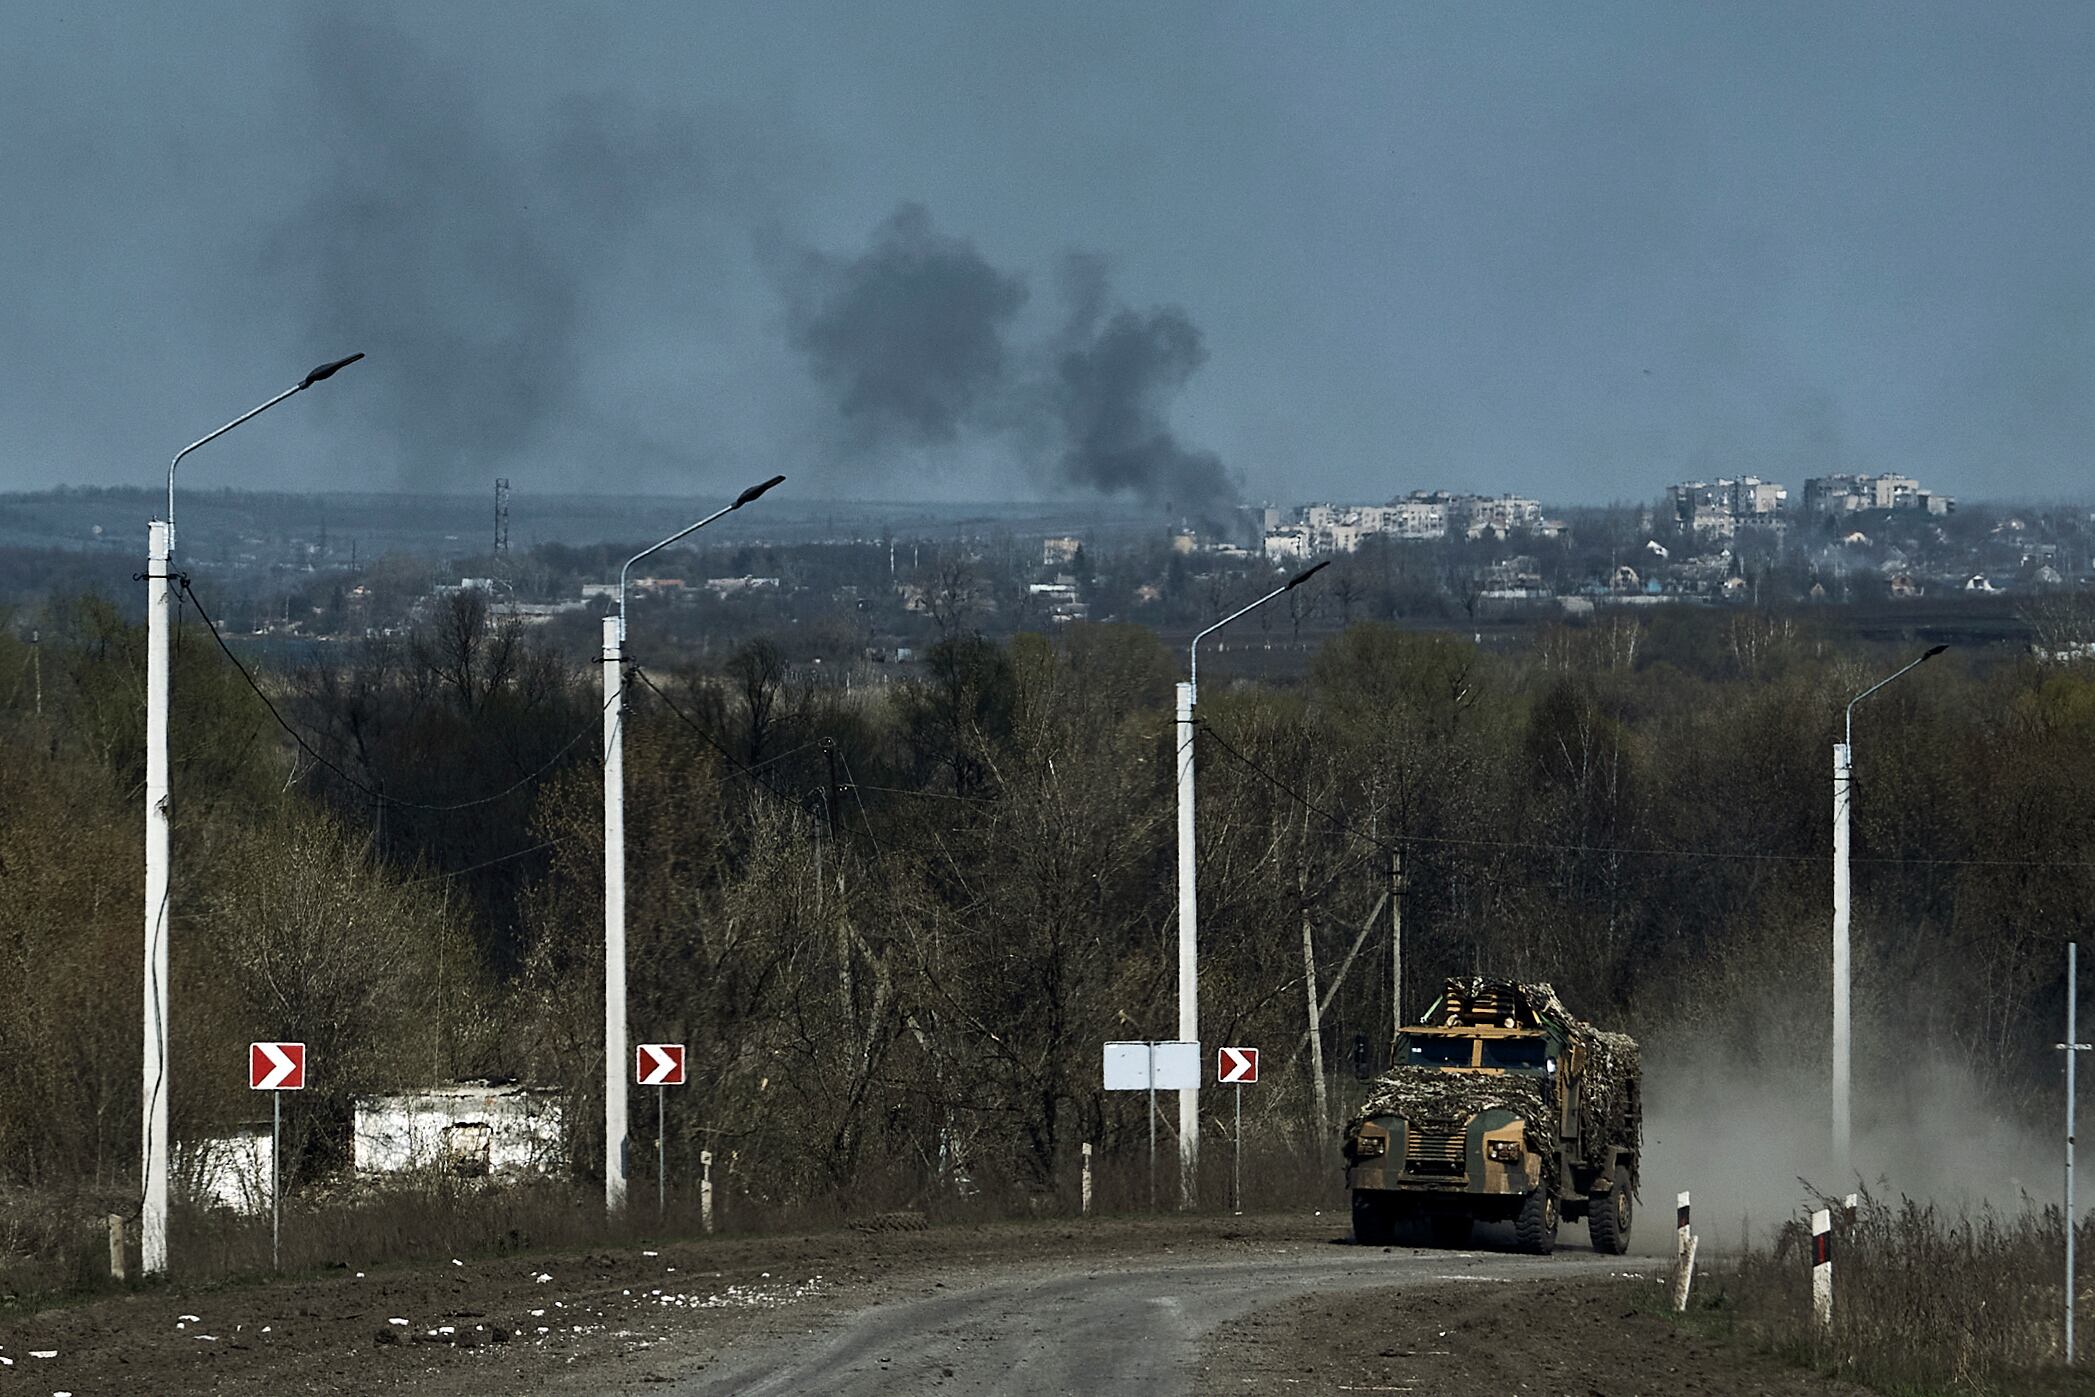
1374	1221
1449	1230
1536	1229
1607	1219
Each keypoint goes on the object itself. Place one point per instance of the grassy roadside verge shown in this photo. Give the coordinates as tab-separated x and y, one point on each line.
1927	1303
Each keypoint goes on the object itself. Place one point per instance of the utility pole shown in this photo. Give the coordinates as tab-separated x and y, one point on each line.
614	916
1396	947
1321	1092
1188	971
2073	1048
847	995
160	605
1843	788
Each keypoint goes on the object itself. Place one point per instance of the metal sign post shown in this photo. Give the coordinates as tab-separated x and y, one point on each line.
1162	1065
276	1182
1234	1067
276	1068
2072	1047
661	1066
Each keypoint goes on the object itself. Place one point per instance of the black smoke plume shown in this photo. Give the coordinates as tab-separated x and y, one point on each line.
1115	371
909	335
911	341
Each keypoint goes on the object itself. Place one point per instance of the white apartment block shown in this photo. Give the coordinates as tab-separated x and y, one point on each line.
1716	509
1846	494
1421	516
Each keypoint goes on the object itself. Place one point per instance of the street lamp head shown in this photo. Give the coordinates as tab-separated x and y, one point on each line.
755	490
1934	651
328	371
1307	573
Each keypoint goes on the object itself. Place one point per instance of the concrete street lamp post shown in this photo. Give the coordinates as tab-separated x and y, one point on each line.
616	1064
1843	791
1188	894
160	606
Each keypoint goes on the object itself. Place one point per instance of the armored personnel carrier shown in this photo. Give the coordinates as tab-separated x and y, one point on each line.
1502	1106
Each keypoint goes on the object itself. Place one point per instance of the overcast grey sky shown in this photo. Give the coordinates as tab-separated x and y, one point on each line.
1353	249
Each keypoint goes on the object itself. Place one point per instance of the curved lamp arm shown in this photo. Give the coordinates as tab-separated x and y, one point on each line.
744	498
325	371
1850	726
1193	650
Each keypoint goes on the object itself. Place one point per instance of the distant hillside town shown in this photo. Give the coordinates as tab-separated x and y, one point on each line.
859	589
1707	509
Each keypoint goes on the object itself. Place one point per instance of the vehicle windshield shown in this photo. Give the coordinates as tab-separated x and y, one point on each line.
1529	1053
1438	1052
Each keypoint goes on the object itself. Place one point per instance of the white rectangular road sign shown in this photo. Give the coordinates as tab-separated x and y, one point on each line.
1143	1066
1236	1066
276	1066
659	1064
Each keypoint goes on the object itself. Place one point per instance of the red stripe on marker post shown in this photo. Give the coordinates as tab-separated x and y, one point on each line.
1822	1268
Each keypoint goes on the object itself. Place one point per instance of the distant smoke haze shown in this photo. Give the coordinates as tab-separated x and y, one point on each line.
477	261
911	342
1576	253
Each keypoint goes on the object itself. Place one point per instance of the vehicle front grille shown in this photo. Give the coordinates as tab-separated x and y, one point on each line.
1434	1152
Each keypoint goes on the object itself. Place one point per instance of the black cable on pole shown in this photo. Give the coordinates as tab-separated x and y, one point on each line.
310	750
740	767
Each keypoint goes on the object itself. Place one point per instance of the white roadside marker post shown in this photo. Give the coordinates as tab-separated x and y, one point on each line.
1084	1203
1822	1270
1684	1255
705	1189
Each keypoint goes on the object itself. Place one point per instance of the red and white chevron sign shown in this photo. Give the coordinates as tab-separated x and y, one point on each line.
276	1066
659	1065
1236	1066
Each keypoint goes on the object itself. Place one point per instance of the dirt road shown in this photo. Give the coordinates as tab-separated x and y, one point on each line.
1275	1304
1135	1325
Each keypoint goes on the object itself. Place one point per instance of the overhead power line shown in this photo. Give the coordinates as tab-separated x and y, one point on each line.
354	783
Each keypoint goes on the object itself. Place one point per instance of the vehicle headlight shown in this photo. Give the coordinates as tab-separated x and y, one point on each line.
1504	1151
1370	1146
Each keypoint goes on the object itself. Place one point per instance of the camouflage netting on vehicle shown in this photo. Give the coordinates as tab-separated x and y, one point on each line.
1434	1097
1609	1094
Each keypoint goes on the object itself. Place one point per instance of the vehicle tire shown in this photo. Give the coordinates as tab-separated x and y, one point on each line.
1536	1229
1374	1221
1449	1230
1608	1219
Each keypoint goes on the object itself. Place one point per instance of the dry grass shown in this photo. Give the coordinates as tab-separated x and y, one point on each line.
1924	1301
55	1247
